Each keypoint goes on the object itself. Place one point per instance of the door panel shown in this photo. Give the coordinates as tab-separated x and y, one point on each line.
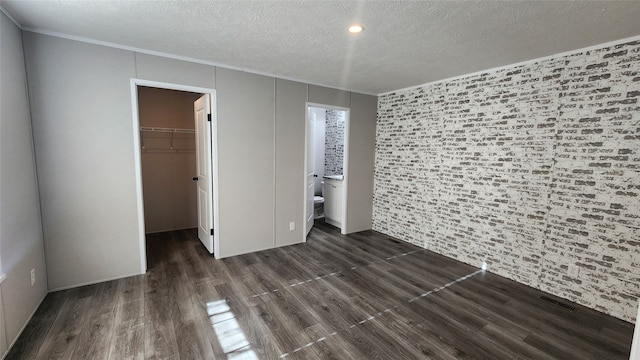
202	110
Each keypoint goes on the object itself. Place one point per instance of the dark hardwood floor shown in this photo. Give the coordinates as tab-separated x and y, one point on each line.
362	296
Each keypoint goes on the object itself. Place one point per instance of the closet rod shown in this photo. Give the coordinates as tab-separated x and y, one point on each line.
173	130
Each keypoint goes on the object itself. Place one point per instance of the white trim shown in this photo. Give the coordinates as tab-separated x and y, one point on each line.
138	163
175	57
94	282
305	167
304	171
213	104
23	326
213	107
345	171
329	107
530	61
13	20
167	230
345	162
3	328
274	164
170	86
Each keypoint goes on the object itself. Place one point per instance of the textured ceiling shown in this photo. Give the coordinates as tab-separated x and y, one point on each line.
404	43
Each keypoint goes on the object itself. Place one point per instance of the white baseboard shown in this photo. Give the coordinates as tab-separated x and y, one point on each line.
93	282
13	342
161	231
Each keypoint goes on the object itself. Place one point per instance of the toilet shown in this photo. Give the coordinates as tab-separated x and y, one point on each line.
318	204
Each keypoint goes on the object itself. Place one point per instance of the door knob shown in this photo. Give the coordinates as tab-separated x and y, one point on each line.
195	178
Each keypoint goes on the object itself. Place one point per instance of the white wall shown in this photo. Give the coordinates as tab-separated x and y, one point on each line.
83	132
328	96
81	109
21	245
245	161
319	122
495	167
291	100
172	71
359	166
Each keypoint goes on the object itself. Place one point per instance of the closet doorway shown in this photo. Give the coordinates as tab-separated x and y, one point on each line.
168	159
176	161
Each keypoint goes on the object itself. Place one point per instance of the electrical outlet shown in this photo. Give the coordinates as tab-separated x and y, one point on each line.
33	277
292	226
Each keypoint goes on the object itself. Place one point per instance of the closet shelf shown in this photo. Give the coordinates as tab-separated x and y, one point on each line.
167	130
153	139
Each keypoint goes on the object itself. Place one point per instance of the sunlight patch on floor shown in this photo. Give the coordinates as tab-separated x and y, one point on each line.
230	336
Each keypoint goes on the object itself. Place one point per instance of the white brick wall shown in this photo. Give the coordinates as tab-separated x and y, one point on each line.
334	142
533	168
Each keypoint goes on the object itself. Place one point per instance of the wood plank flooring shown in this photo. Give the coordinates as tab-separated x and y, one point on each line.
362	296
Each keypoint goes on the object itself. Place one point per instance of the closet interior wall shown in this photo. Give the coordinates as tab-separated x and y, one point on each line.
168	158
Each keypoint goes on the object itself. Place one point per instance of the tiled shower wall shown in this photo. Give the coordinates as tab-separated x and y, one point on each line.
334	143
534	169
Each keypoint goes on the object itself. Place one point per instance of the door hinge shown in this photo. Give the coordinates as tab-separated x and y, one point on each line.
208	117
211	231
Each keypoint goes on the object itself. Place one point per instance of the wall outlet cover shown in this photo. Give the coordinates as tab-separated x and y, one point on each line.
292	226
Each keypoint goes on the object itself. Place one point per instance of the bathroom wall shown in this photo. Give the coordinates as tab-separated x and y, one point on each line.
334	142
21	243
533	168
319	123
169	191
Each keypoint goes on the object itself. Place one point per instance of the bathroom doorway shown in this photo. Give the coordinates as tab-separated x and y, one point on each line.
326	154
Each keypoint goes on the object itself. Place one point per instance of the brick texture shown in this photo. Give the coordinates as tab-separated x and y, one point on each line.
334	142
533	168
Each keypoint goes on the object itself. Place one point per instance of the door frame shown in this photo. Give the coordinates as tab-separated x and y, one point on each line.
137	159
345	163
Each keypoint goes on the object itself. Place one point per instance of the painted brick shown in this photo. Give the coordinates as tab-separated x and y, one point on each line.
533	168
334	142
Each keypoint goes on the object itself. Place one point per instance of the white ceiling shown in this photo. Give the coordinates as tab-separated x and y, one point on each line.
404	43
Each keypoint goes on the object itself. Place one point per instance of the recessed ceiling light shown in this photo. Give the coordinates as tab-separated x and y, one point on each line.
355	28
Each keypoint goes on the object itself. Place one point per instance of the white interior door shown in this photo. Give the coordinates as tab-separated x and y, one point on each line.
309	170
202	113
